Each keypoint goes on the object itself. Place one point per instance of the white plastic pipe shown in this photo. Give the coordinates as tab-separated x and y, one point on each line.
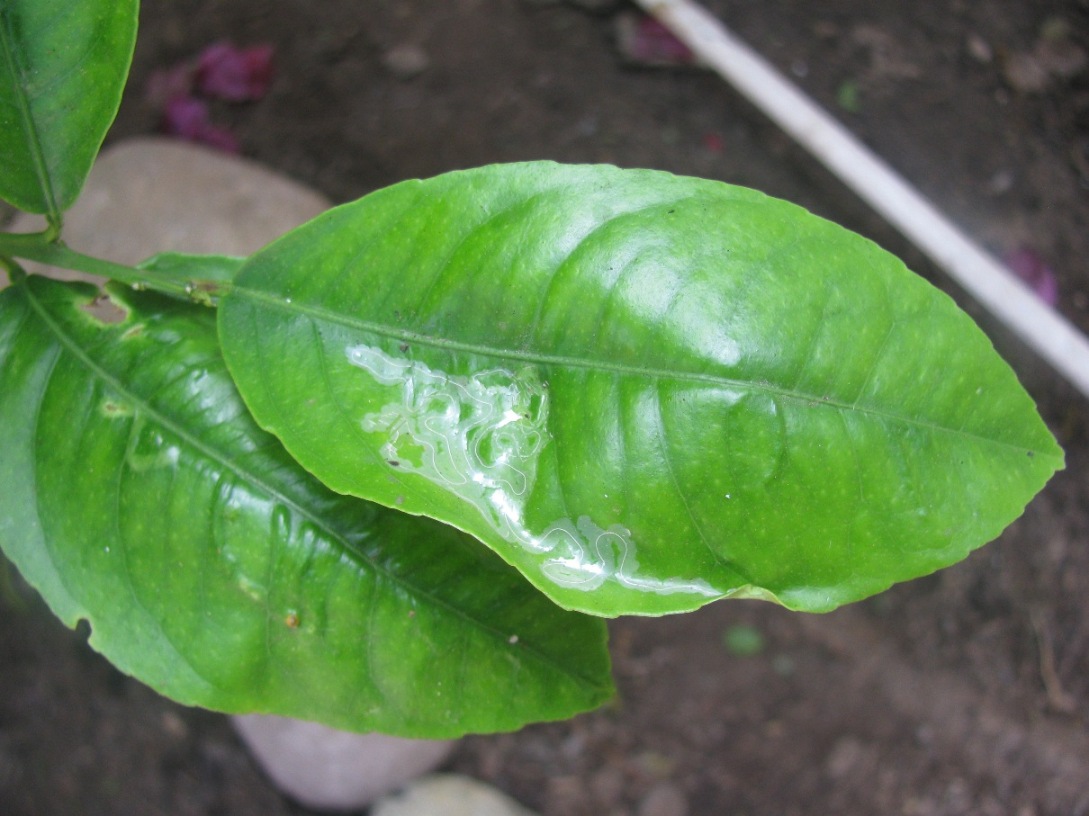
988	281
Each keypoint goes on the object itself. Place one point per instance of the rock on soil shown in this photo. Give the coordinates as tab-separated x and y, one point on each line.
449	795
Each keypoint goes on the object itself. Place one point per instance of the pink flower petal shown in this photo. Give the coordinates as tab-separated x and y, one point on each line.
188	118
184	116
167	83
220	139
234	74
645	41
1031	268
714	142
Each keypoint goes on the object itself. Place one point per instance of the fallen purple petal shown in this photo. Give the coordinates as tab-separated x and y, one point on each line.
220	139
170	83
714	142
235	74
184	116
1027	264
187	118
645	41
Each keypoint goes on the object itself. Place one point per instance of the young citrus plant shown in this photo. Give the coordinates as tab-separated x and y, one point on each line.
392	471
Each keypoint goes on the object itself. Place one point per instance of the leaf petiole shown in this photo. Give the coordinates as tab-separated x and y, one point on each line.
43	248
14	271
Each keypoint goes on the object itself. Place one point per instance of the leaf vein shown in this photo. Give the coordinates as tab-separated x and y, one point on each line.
663	445
252	478
614	367
34	140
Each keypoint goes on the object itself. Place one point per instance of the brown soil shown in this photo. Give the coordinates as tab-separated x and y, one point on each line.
963	693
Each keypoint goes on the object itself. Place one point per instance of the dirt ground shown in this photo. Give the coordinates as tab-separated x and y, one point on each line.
962	693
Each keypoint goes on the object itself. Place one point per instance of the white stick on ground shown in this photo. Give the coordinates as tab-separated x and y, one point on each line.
988	281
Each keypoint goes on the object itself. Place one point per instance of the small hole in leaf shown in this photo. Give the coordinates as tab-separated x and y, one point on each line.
83	629
105	310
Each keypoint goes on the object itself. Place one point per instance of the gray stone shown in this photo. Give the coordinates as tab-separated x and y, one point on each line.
406	61
664	799
449	795
326	769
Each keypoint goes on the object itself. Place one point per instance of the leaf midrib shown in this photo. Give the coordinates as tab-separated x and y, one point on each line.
604	366
169	425
33	137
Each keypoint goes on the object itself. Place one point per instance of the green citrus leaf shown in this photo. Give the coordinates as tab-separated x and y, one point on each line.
645	392
63	66
139	495
199	275
182	266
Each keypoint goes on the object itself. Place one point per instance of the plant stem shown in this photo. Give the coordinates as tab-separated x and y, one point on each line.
39	247
15	272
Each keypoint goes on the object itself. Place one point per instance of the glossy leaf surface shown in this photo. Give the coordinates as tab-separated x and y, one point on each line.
199	275
646	392
139	495
182	266
63	65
